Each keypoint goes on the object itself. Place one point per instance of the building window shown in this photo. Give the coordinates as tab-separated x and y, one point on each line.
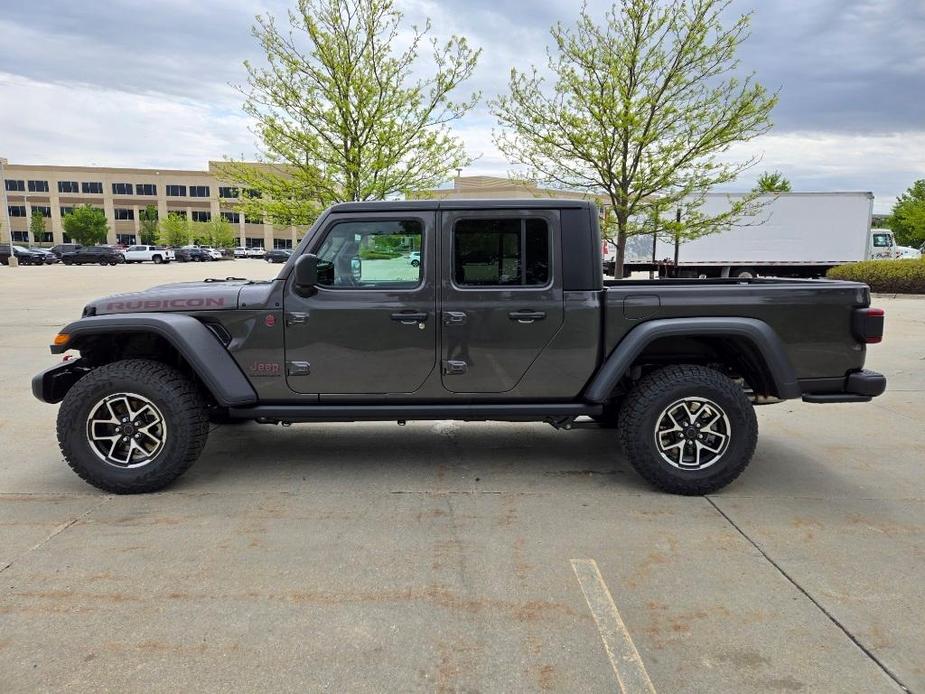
501	252
254	242
227	192
282	243
202	216
44	237
199	191
145	189
92	187
178	213
176	191
252	193
38	186
121	188
17	210
21	236
126	239
68	187
46	211
123	213
66	210
248	219
233	217
15	186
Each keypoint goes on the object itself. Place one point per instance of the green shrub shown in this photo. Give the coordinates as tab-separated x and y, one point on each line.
899	276
370	254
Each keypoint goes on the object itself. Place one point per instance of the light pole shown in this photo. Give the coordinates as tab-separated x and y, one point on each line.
6	212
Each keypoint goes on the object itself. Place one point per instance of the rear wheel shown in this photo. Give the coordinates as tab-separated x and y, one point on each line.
688	429
132	426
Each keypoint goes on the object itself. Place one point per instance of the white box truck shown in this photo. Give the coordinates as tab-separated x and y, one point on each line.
794	235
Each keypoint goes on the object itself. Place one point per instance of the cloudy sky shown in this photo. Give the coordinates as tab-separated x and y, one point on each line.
147	82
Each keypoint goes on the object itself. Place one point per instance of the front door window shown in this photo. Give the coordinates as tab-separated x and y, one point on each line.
371	255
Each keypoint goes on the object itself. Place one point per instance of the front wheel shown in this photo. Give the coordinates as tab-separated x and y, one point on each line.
157	259
132	426
688	429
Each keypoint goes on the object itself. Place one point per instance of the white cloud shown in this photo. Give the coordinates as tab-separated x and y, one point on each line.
80	124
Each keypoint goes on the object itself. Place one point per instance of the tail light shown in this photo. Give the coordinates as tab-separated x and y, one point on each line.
867	325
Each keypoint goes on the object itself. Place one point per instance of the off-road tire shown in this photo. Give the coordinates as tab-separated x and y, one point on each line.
645	404
177	397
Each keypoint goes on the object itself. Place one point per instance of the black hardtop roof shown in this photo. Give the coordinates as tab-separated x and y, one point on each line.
457	204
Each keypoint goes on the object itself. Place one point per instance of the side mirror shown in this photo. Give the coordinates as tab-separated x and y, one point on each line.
306	271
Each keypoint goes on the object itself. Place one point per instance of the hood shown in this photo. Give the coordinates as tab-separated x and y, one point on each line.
211	295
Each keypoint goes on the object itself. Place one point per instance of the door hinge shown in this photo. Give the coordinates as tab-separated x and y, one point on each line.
454	368
298	368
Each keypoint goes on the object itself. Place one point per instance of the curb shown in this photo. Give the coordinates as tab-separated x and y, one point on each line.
885	295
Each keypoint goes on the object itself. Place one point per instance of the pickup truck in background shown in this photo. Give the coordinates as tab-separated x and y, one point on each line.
506	316
148	254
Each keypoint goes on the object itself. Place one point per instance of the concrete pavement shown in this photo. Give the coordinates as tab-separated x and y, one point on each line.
437	556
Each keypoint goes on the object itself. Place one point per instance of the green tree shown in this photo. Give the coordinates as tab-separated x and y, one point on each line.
907	219
772	182
86	225
342	115
217	233
174	231
147	225
640	109
37	226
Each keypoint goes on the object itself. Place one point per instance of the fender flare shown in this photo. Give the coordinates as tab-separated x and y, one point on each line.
757	332
190	337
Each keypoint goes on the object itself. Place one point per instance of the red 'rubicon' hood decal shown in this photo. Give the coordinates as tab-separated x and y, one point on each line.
186	296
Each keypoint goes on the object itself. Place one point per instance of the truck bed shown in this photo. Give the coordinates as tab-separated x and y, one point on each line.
811	317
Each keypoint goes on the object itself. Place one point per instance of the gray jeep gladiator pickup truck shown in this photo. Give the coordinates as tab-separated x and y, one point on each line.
467	310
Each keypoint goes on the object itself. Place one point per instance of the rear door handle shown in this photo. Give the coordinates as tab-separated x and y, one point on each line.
526	316
409	317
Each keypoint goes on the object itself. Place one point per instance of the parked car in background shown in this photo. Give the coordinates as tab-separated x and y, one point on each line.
240	252
49	257
255	252
25	256
278	255
414	258
100	255
63	248
148	254
214	253
191	255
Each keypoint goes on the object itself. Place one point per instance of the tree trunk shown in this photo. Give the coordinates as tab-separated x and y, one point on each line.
621	246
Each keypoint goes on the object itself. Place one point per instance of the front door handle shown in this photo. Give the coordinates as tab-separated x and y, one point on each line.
410	317
526	316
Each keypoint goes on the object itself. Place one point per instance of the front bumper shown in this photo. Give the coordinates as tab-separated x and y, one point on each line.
52	384
859	386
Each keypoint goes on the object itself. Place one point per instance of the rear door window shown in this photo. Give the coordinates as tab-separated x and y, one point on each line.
501	252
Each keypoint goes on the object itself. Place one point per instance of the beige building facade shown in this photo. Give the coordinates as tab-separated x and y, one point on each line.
495	187
122	194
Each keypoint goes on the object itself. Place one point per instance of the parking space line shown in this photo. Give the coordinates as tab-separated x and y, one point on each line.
624	658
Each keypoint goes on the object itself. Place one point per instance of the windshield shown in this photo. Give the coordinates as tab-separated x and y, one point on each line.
882	240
